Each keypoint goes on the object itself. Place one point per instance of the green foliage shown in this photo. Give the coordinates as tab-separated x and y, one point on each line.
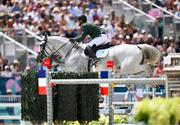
103	120
70	102
120	119
158	111
32	105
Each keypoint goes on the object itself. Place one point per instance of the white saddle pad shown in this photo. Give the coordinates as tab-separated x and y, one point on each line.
102	53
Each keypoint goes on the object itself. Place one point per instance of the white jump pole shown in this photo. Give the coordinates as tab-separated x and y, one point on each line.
122	81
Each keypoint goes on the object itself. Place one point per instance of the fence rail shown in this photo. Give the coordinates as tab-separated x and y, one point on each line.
154	81
18	117
18	44
9	98
10	104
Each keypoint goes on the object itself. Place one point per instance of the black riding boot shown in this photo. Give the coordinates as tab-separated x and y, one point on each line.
91	54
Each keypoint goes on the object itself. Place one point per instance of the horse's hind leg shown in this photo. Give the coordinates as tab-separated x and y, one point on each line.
128	66
131	66
145	70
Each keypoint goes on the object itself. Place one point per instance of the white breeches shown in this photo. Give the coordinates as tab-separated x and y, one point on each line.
98	40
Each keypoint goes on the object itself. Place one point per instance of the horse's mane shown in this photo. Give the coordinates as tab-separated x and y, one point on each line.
58	38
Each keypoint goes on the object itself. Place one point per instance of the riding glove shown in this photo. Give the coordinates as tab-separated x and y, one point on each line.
72	40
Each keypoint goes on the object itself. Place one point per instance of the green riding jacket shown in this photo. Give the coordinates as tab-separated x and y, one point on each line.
91	30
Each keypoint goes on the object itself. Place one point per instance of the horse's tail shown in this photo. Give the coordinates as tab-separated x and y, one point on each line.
151	54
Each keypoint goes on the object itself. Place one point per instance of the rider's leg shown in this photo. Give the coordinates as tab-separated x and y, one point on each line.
98	40
89	52
95	42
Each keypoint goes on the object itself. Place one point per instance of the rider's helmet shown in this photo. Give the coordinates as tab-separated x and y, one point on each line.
82	18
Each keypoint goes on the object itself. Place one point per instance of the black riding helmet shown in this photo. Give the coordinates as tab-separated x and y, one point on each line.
83	18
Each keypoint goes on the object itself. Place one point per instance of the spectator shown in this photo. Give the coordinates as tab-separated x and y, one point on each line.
177	13
9	92
163	50
141	39
101	12
108	28
160	25
171	48
18	26
71	23
158	71
56	14
89	16
149	39
71	9
15	68
135	38
7	72
34	14
78	10
91	4
121	39
128	39
10	110
166	40
27	69
114	41
16	7
138	93
177	47
95	15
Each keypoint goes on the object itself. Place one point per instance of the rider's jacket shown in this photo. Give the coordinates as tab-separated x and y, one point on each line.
91	30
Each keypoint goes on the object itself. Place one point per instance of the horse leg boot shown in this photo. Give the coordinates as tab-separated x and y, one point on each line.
91	54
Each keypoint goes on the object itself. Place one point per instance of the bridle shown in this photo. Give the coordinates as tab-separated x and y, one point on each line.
43	53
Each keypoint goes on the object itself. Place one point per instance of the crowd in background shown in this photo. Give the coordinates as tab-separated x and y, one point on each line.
9	70
57	17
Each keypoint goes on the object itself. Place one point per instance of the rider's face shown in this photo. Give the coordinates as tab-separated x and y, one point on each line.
80	23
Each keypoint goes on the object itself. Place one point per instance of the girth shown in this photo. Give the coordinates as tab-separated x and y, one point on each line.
143	56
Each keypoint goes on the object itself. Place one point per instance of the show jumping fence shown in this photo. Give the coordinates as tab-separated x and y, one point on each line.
111	81
122	81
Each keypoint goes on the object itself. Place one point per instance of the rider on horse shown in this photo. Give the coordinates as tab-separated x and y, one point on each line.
97	35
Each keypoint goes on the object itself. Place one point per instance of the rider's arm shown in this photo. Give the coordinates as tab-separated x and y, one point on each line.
83	34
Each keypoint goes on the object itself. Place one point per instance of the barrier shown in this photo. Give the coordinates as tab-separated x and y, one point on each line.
15	109
123	81
110	82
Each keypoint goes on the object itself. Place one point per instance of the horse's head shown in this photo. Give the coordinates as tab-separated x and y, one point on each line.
41	54
56	48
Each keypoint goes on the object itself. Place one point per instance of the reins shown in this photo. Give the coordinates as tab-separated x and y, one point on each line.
47	54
